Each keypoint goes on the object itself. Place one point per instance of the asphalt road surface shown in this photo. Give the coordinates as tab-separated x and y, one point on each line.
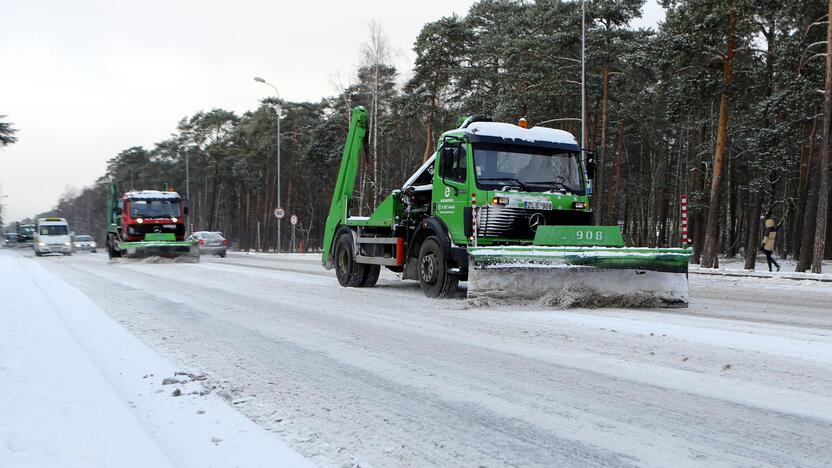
384	376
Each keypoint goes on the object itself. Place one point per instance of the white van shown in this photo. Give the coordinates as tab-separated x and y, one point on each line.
52	236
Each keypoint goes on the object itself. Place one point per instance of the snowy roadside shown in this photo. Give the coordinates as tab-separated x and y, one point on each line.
79	390
736	267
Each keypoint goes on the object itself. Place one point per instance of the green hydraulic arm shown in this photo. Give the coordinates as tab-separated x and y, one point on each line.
111	206
346	180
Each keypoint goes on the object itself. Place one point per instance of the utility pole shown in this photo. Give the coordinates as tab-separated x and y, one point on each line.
187	191
277	94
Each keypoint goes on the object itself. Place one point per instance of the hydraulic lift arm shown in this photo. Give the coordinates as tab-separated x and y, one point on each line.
346	180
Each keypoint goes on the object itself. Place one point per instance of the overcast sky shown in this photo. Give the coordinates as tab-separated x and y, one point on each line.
84	79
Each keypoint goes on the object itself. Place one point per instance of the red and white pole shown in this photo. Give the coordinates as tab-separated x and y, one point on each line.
474	216
685	240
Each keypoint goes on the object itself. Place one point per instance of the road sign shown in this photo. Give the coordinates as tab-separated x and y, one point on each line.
279	213
293	219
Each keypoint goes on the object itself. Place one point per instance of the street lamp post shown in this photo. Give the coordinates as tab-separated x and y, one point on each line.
188	190
277	93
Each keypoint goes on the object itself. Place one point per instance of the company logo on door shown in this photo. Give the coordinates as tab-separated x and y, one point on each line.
447	191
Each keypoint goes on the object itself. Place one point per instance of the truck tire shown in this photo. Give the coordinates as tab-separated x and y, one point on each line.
370	277
349	272
433	270
111	249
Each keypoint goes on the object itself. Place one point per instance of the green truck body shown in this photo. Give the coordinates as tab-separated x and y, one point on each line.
492	194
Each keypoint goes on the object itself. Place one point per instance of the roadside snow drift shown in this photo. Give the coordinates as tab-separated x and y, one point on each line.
78	390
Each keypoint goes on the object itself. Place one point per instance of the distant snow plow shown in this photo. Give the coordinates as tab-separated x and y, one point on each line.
148	223
505	208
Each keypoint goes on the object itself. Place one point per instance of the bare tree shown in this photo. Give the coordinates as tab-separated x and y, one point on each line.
375	55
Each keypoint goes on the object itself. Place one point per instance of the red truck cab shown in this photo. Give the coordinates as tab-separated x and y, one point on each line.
151	211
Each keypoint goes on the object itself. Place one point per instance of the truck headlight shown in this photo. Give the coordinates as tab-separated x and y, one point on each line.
41	244
173	219
67	244
139	220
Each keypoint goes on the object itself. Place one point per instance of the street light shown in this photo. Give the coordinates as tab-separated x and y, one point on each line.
277	93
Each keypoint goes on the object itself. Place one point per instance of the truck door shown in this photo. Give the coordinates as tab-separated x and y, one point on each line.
450	187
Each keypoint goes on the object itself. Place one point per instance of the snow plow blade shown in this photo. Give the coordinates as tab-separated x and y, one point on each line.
580	276
164	249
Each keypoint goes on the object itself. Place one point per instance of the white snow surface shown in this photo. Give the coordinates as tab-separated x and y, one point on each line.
152	194
78	390
513	132
385	377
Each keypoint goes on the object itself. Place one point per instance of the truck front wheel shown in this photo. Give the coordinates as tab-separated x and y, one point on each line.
433	271
350	273
112	252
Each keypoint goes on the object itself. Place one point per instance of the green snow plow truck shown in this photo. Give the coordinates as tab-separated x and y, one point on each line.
147	223
505	208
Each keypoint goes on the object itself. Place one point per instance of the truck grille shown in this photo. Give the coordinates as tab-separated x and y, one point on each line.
515	223
142	229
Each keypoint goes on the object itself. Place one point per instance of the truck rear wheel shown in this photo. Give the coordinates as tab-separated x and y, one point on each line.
433	271
350	273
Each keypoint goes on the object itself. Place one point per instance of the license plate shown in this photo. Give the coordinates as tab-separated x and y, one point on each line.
537	205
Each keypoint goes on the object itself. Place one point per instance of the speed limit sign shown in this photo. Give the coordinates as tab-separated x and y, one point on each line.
293	219
279	213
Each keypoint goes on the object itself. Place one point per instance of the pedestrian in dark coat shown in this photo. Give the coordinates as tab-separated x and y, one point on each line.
768	243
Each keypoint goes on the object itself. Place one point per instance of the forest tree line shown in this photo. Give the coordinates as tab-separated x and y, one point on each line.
724	102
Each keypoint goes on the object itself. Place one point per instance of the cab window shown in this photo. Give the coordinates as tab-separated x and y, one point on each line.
454	165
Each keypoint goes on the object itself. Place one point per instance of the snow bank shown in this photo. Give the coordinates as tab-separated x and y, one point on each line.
79	390
782	274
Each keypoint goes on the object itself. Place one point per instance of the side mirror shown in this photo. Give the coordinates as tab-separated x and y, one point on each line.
185	210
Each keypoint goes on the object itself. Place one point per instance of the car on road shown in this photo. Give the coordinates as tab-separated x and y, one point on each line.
210	243
10	240
84	242
52	236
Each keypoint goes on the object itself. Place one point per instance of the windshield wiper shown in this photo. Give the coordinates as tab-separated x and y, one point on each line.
512	179
555	183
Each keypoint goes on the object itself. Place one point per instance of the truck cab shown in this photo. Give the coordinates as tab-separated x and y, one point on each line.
52	236
140	213
25	233
516	179
147	223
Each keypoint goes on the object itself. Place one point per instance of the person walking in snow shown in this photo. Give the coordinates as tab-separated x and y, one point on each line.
768	242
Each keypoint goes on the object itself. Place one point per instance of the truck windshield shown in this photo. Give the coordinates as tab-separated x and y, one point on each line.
528	169
55	230
154	208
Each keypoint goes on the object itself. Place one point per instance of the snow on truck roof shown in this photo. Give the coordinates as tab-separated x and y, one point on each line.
147	194
514	134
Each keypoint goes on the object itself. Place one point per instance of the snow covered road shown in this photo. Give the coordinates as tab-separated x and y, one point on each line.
384	376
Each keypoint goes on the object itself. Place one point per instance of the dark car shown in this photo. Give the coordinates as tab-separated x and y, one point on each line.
210	243
11	239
